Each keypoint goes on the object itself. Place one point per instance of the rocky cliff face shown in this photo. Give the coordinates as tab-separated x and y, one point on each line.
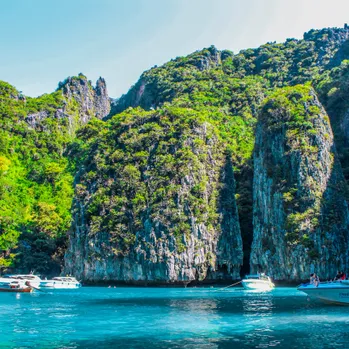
80	101
300	213
101	99
90	101
155	204
154	185
299	203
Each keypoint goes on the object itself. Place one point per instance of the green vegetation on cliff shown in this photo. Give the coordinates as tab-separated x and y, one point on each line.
231	88
300	208
291	112
36	176
35	180
137	167
130	167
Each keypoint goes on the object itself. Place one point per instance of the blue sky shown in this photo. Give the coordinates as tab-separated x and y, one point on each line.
44	41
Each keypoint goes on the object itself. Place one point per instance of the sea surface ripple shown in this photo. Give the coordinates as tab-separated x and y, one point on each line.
100	317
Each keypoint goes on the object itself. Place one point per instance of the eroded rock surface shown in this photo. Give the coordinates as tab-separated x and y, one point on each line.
168	217
301	216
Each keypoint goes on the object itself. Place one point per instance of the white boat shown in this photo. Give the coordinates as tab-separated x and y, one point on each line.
34	280
61	283
258	282
330	292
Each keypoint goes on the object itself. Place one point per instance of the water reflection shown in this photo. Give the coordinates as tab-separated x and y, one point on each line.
258	312
193	318
206	306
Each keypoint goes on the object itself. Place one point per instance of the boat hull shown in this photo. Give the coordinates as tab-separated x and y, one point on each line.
16	290
329	293
257	285
60	285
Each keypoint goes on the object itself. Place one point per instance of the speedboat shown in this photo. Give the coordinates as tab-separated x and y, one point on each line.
330	292
258	282
34	280
61	283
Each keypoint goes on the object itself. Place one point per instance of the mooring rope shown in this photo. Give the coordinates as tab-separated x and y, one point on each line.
220	289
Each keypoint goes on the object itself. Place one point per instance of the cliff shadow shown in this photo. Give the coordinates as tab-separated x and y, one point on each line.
235	240
334	220
244	202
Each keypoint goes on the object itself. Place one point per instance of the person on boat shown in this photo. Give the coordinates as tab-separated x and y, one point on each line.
27	284
338	276
314	280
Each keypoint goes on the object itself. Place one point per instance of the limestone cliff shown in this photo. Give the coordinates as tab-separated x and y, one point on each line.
78	103
156	198
301	216
155	202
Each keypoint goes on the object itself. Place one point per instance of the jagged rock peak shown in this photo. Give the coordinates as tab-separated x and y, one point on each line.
206	58
102	100
93	101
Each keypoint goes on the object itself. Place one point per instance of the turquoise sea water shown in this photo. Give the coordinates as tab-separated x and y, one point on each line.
96	317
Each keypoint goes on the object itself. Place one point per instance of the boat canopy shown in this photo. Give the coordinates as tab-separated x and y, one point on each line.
23	277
